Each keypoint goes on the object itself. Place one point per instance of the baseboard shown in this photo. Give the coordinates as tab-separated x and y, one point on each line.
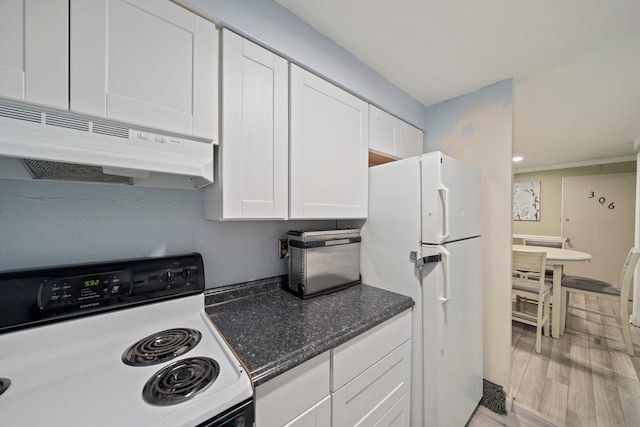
520	408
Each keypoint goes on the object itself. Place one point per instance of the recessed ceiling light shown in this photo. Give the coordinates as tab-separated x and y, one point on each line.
517	158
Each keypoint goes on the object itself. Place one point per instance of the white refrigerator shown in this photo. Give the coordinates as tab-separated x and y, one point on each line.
422	239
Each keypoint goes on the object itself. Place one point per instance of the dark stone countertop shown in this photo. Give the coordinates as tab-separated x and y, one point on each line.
272	330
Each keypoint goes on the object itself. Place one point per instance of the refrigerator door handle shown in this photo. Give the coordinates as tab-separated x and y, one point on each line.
444	298
421	262
445	214
447	292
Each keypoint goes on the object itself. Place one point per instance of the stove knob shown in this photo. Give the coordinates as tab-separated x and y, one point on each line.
168	276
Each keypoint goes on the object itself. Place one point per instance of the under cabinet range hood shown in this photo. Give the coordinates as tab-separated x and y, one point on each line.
38	143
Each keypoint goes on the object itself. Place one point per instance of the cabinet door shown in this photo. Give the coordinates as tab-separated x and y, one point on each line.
369	397
255	137
34	51
282	399
146	62
319	415
328	150
398	416
409	141
383	131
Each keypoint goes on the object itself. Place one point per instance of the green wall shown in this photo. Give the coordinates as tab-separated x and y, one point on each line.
551	195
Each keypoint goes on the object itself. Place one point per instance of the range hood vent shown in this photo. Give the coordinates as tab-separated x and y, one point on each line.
39	143
20	112
58	171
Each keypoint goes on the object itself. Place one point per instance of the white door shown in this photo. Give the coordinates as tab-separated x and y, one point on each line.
149	63
452	333
34	51
598	213
255	138
451	199
328	149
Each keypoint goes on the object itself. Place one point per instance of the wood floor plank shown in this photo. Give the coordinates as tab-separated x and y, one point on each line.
560	361
484	417
520	356
636	363
600	355
630	409
575	420
607	399
628	385
635	334
613	332
622	364
580	399
532	387
554	401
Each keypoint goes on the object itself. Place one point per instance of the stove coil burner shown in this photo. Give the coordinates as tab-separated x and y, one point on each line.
161	346
180	381
4	384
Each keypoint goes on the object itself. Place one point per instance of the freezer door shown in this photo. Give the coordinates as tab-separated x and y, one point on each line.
451	199
452	333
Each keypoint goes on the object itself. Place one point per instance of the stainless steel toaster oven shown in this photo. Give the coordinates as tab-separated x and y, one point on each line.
323	261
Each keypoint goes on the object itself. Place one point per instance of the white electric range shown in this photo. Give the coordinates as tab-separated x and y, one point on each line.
123	343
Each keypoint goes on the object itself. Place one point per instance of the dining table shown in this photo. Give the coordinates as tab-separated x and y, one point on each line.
557	258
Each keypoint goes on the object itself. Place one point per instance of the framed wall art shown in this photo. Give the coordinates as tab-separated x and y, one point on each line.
526	201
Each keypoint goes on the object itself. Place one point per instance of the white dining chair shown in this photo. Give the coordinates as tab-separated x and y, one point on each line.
598	288
555	243
528	281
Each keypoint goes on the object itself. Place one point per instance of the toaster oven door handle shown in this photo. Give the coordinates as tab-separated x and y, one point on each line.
323	243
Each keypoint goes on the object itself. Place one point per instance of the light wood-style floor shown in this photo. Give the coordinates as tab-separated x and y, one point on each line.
582	379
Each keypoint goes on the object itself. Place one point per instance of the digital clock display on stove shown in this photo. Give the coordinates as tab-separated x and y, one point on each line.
91	282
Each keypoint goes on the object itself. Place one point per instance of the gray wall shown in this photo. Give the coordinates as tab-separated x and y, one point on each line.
47	223
275	27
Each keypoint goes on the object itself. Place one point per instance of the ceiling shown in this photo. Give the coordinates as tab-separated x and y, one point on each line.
575	64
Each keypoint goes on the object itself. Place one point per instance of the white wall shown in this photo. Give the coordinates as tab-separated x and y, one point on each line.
478	129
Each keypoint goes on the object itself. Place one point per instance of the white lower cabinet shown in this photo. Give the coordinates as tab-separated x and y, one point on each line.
319	415
371	375
285	399
363	382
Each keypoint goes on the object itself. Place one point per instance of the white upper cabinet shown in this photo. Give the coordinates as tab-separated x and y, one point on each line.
383	131
146	62
410	142
255	137
34	51
392	137
328	150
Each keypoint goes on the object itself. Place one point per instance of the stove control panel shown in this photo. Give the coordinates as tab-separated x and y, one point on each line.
53	294
83	291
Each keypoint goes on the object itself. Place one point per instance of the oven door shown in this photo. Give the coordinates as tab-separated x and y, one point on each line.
241	415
